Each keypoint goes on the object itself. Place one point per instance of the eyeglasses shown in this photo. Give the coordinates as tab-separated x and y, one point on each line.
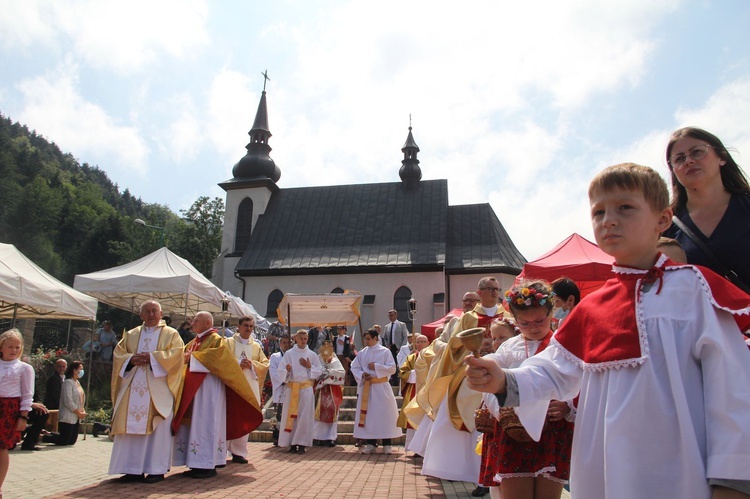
536	323
490	288
697	152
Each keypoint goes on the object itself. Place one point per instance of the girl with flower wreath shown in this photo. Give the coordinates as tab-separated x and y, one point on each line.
528	469
16	393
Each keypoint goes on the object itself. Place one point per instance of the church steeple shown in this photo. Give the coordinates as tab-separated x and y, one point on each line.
410	172
257	163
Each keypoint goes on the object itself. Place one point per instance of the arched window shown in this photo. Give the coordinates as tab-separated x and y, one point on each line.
244	225
401	305
273	302
337	290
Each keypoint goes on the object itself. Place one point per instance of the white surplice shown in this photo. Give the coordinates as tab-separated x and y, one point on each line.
659	429
382	409
302	430
278	379
450	453
137	452
203	443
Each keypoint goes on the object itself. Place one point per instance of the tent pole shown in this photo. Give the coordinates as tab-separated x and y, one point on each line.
361	331
289	318
67	340
88	382
13	322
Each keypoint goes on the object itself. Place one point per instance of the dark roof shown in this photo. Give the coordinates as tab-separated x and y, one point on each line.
477	240
347	228
375	228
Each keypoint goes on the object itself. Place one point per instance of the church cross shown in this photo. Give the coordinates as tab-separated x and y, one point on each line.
265	79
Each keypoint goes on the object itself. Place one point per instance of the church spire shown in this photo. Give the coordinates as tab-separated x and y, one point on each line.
257	163
410	172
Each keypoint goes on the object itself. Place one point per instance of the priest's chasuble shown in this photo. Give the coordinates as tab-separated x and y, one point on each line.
143	400
144	396
243	413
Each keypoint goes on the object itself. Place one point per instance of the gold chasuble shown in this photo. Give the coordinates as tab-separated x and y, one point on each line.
254	353
419	406
168	353
243	408
462	401
408	390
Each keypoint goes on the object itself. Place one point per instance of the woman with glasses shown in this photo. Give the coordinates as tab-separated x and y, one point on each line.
711	200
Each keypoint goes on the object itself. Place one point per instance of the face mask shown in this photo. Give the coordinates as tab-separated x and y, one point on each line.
80	373
560	314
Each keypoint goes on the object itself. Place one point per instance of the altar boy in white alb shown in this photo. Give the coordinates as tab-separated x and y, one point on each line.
254	365
377	410
147	368
301	367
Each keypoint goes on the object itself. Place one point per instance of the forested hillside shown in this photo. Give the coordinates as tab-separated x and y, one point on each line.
69	218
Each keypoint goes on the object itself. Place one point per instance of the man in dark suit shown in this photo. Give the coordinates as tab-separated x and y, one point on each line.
395	333
54	385
344	350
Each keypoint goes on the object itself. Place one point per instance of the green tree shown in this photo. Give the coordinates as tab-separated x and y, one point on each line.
198	237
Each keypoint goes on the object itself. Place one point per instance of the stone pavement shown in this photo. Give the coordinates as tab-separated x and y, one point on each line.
341	472
81	472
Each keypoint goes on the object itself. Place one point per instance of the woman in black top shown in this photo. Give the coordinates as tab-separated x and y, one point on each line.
711	196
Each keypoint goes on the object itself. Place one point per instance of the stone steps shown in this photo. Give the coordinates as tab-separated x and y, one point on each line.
345	427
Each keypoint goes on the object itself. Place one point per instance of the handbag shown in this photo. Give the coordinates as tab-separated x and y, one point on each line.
484	421
722	269
512	426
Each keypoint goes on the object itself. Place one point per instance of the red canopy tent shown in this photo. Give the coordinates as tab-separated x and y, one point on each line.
575	258
429	329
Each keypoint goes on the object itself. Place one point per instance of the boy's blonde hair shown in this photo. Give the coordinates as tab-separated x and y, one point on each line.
11	333
632	177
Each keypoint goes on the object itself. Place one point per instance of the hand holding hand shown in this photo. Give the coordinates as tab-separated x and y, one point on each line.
484	375
557	410
39	407
246	364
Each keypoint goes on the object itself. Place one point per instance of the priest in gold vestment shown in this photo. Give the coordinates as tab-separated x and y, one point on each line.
147	368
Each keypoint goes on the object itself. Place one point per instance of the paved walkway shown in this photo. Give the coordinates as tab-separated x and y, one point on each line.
342	472
81	472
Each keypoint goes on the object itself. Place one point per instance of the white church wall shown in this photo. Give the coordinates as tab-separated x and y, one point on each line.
423	286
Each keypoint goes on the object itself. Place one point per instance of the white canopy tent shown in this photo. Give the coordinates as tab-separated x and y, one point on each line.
161	276
239	308
27	291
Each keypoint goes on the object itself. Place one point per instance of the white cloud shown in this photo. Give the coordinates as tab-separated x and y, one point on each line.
124	37
53	106
725	114
23	23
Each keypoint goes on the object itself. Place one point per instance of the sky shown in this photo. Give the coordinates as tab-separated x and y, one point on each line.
517	104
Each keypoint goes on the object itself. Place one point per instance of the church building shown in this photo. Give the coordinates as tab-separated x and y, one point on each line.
389	241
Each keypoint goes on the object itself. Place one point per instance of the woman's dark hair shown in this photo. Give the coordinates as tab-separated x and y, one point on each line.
564	287
732	176
73	366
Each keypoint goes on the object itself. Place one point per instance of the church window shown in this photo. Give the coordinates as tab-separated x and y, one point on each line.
401	305
244	225
274	298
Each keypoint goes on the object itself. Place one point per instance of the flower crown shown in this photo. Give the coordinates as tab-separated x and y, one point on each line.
527	297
